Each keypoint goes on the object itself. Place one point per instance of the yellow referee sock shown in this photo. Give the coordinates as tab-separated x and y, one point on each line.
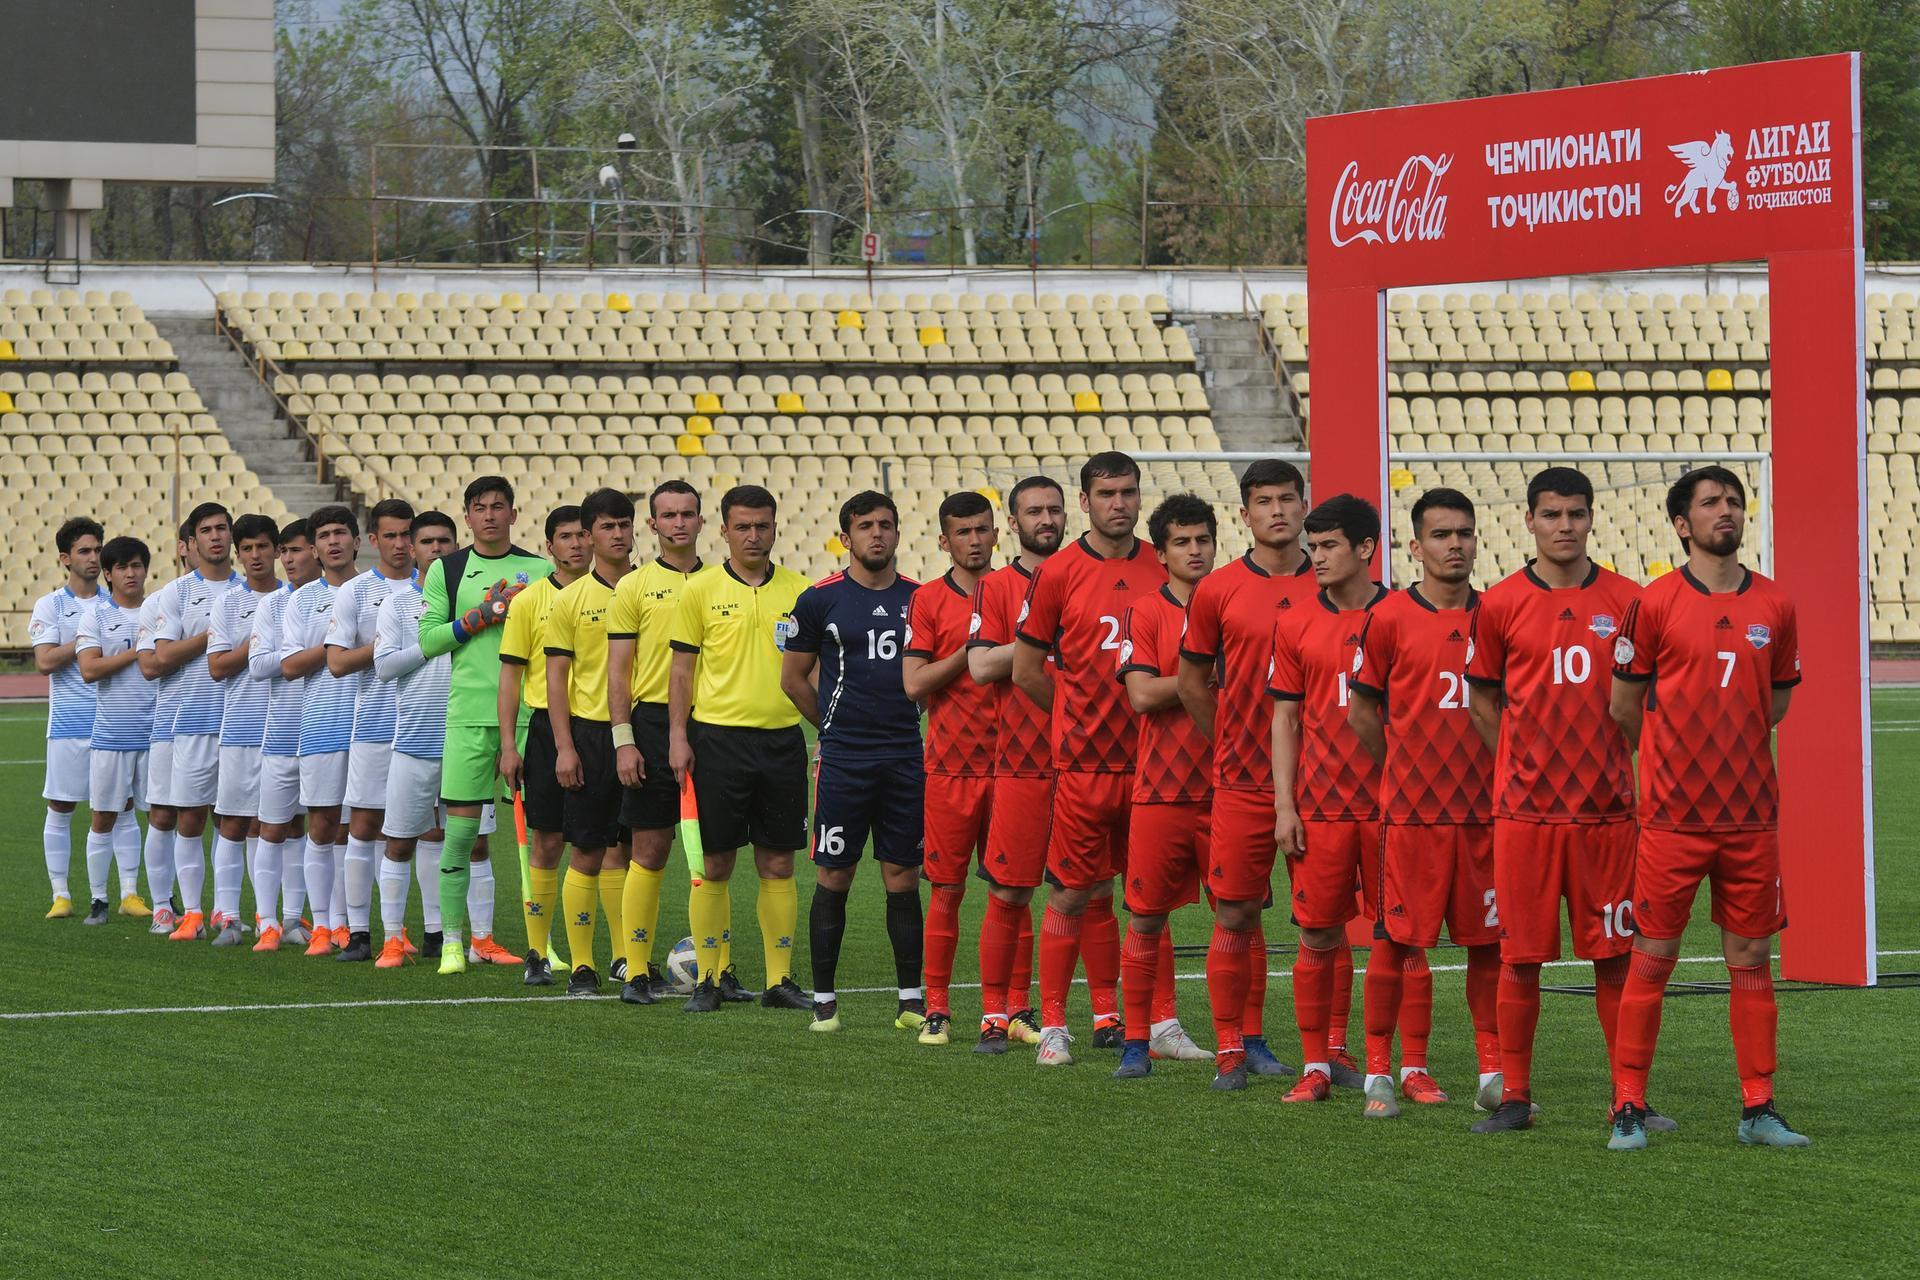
543	894
707	916
640	913
577	894
613	886
726	935
779	915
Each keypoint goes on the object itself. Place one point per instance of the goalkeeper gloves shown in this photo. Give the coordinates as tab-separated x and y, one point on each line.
491	611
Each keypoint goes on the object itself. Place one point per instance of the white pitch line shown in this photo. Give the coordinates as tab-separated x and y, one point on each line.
41	1015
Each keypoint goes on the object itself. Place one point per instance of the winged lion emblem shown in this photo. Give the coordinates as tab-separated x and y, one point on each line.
1707	164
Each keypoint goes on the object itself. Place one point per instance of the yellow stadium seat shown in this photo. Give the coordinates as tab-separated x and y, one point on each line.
619	302
834	547
932	335
1086	402
1657	568
1399	478
690	446
789	402
699	424
850	320
6	403
6	350
1719	380
990	493
1580	380
706	402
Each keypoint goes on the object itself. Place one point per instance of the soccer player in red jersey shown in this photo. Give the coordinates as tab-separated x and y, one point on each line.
960	736
1019	820
1562	776
1073	612
1225	657
1435	791
1172	789
1704	668
1326	810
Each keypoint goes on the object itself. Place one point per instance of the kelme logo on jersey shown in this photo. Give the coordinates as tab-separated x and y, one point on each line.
1759	635
1602	625
784	629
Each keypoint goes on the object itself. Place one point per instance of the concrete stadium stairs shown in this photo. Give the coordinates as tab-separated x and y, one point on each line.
1249	413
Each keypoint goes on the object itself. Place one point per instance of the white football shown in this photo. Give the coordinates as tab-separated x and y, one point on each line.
683	967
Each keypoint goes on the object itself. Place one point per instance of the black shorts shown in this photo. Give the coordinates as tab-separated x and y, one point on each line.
655	804
884	798
590	816
539	789
751	785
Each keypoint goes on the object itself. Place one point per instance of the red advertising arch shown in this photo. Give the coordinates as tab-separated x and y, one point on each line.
1744	163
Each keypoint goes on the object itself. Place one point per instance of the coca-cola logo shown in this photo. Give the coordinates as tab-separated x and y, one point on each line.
1403	208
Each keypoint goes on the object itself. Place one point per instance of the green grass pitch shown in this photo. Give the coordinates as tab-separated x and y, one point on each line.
349	1122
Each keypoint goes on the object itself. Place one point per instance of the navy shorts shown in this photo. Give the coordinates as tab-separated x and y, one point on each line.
883	799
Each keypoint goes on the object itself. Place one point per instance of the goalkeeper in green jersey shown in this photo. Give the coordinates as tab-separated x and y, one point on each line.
466	596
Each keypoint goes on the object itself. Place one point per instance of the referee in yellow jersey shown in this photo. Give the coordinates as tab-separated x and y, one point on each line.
576	672
637	663
745	750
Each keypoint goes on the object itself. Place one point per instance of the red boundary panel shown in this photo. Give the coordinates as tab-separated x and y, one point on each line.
1743	163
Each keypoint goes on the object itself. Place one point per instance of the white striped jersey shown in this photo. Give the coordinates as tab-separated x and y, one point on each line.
56	621
243	720
186	611
355	610
166	688
123	702
326	702
282	735
421	685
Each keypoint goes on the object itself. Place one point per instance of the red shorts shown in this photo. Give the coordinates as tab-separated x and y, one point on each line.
955	824
1089	840
1436	873
1743	868
1240	867
1018	823
1341	867
1536	864
1169	855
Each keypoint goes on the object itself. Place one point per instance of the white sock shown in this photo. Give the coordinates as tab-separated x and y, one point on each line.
480	899
159	859
1166	1026
293	880
358	865
1372	1076
99	861
1486	1076
824	997
1310	1067
319	881
126	852
190	869
913	993
56	837
394	882
229	873
266	881
337	900
426	869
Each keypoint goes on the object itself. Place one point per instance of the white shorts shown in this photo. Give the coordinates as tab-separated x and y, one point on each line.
238	795
160	773
367	775
196	770
323	780
279	798
487	820
413	797
117	778
69	772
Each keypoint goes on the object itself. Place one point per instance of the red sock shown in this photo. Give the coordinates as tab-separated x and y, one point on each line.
1164	977
1253	1018
1380	997
1609	980
1227	958
1483	1004
1519	1013
1139	970
1755	1020
1416	1006
1637	1026
1059	955
999	933
1020	983
1340	1007
942	933
1100	951
1313	983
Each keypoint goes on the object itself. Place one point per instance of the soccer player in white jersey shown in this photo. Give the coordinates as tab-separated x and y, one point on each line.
326	719
243	722
279	869
55	627
105	652
349	645
160	812
179	641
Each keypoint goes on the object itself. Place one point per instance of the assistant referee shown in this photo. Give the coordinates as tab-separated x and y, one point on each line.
751	780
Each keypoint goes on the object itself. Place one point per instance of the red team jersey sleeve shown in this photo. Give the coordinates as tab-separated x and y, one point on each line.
1175	762
961	718
1413	657
1023	745
1712	662
1230	623
1314	648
